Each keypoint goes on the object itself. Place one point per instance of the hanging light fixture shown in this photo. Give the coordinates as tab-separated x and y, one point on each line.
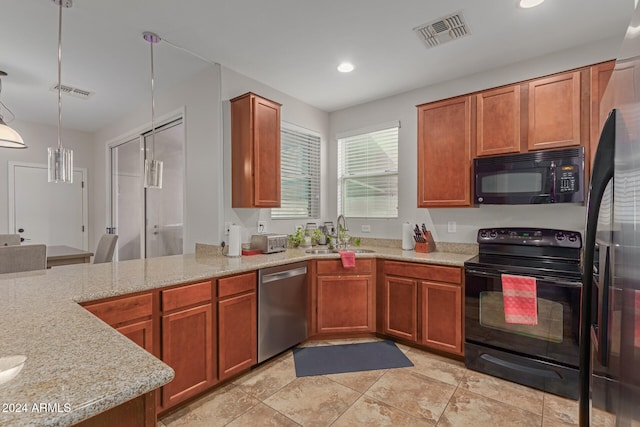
60	158
152	167
9	138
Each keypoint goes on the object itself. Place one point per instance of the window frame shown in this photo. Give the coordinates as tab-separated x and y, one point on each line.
342	177
313	208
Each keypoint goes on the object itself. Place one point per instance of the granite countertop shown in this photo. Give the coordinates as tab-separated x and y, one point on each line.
78	366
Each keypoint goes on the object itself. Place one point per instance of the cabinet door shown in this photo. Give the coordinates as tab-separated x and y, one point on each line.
442	317
444	153
600	75
401	308
345	304
554	112
498	121
237	334
266	128
140	333
187	346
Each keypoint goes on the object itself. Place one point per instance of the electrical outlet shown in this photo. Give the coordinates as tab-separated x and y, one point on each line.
262	227
365	228
451	226
227	228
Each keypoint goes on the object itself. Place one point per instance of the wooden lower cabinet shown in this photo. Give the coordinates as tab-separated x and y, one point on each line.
343	299
139	412
422	304
237	324
442	316
131	315
140	333
401	308
345	304
188	341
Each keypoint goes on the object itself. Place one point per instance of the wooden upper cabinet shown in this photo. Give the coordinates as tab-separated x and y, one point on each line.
444	153
600	75
255	152
554	111
498	121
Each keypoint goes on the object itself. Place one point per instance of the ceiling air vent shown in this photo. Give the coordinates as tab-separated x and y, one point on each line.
442	30
72	91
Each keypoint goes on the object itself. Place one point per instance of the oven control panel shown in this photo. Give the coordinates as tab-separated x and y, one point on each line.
530	237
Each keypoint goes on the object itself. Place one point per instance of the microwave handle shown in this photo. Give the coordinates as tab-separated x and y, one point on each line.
552	190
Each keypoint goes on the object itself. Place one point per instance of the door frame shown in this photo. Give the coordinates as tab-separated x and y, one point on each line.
12	193
139	132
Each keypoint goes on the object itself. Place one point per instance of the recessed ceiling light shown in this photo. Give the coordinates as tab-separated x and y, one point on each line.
346	67
526	4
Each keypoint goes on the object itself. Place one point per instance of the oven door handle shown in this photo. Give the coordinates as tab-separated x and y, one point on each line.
497	274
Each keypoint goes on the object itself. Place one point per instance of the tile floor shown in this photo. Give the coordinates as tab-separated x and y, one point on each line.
436	391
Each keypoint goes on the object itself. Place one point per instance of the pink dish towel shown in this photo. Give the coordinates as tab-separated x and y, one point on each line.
348	259
520	300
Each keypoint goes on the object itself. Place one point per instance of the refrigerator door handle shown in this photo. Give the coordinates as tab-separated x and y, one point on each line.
603	321
601	174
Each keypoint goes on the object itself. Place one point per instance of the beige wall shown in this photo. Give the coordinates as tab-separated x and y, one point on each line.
468	220
38	138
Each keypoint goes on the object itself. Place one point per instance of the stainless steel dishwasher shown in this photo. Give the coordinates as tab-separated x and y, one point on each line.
282	308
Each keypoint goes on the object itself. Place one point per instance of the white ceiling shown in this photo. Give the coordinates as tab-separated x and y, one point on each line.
291	45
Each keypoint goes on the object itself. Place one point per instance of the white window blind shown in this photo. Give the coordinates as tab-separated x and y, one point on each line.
299	174
368	174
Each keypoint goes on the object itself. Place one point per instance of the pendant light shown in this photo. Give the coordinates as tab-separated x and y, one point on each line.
152	167
60	158
9	138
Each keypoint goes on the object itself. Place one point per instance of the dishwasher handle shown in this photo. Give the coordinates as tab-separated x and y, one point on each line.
283	275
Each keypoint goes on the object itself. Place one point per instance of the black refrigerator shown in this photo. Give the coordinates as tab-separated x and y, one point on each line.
610	316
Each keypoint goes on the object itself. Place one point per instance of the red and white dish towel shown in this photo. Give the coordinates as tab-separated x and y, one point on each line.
520	299
348	259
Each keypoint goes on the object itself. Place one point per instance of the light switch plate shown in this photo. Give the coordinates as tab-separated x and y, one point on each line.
451	226
365	228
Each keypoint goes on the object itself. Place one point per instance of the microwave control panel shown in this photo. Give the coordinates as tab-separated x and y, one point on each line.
567	179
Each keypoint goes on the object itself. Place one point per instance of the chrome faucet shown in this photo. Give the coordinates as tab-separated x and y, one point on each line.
339	232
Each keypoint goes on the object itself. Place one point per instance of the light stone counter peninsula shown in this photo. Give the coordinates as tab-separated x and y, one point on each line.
77	366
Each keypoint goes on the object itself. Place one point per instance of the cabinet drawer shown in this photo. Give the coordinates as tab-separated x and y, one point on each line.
237	284
439	273
185	296
123	310
333	266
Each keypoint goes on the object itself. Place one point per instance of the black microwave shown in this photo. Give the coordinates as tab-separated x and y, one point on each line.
549	176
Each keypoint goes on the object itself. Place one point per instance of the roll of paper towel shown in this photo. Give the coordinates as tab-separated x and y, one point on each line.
235	242
407	237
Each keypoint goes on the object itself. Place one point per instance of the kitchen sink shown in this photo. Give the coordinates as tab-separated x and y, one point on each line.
319	251
357	250
325	251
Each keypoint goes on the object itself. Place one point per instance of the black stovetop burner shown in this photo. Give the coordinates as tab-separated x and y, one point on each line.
534	251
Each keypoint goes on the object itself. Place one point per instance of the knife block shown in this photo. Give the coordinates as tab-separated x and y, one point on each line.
421	247
428	246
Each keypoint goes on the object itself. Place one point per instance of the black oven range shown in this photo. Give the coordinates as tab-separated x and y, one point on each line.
522	307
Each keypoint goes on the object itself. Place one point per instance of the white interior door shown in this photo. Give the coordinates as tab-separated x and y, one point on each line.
44	212
127	199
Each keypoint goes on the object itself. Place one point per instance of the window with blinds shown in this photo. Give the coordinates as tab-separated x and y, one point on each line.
368	174
299	174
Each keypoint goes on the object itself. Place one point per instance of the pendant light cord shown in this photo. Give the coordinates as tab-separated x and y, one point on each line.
60	76
153	110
